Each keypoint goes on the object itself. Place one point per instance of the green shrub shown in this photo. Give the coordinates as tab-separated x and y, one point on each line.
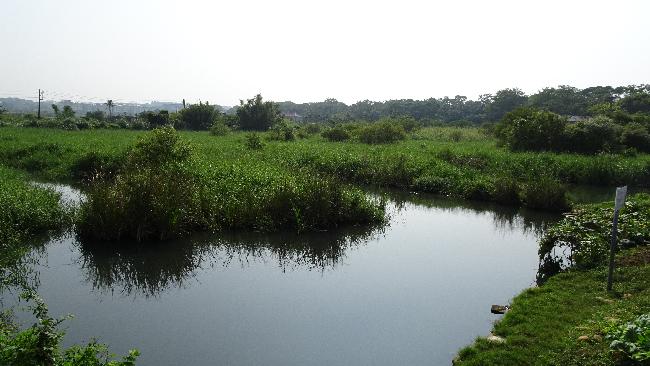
254	141
336	133
632	339
635	135
219	129
382	132
40	344
197	117
598	134
312	128
545	193
531	129
282	131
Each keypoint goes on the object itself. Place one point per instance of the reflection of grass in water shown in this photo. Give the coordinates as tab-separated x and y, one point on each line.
150	269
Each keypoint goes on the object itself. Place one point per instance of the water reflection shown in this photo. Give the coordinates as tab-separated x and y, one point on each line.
149	268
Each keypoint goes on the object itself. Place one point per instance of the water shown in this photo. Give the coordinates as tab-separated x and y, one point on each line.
412	293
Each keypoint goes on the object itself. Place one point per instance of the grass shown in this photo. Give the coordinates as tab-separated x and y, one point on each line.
566	320
458	162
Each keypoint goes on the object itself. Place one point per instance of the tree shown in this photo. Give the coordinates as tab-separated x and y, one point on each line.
564	99
110	105
257	115
502	102
67	112
198	116
636	102
55	108
531	129
156	119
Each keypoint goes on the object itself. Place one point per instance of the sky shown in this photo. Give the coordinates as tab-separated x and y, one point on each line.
306	51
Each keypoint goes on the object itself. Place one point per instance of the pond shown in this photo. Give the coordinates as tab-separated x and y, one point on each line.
410	293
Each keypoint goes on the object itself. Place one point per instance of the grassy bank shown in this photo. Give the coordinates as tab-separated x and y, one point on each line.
571	319
458	162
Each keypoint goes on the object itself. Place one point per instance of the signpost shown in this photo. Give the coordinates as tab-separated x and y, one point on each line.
621	192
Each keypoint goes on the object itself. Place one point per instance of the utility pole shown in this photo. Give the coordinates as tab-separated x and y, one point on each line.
40	98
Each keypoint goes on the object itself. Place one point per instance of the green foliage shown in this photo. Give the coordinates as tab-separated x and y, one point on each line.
336	133
531	129
584	233
254	141
67	112
257	115
636	135
282	131
502	102
219	128
545	193
632	339
96	115
161	118
636	102
598	134
381	132
198	116
40	344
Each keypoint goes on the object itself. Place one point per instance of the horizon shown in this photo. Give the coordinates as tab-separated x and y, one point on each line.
292	51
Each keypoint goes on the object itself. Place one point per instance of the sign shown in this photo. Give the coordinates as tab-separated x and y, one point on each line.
621	192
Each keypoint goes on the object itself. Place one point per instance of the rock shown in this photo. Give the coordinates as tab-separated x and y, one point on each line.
499	309
583	338
627	296
495	339
597	338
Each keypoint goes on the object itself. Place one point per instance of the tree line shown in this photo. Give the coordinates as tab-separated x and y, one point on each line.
564	100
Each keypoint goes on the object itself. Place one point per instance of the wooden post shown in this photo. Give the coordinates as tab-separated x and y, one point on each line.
618	204
40	98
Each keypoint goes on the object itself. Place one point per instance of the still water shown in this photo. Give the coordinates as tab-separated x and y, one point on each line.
411	293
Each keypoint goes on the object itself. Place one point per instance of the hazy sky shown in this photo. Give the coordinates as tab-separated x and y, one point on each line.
310	50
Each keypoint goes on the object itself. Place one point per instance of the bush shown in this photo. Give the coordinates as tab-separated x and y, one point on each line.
197	117
256	115
632	339
254	142
545	193
312	128
160	118
153	197
531	129
636	135
282	132
598	134
382	132
40	344
219	129
336	133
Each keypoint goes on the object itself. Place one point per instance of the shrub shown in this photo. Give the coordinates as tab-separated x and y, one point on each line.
598	134
336	133
256	115
160	118
636	135
632	339
531	129
219	129
254	142
312	128
40	344
382	132
282	132
197	117
545	193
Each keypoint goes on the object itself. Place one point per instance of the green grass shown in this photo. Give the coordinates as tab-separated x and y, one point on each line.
458	162
545	322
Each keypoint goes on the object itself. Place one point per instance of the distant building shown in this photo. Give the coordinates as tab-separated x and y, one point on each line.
293	116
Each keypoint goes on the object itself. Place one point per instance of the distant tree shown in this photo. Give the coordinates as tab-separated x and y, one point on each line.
531	129
96	115
156	119
110	105
502	102
2	110
565	100
67	112
55	108
636	102
198	116
257	115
